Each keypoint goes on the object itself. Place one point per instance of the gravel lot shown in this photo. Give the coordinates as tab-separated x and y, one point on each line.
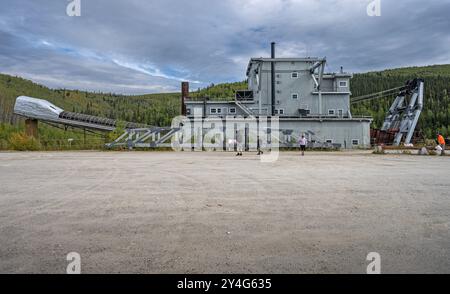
167	212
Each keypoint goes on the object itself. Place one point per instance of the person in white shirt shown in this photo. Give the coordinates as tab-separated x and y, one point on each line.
239	146
303	142
231	144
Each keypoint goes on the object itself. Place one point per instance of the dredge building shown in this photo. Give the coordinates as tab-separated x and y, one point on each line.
298	92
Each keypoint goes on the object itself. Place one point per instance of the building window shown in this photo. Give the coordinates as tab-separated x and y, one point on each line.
330	141
355	142
308	111
217	110
340	112
276	111
294	96
343	84
331	112
232	110
294	75
280	111
188	111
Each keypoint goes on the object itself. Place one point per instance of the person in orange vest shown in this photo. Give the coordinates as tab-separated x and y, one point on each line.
441	142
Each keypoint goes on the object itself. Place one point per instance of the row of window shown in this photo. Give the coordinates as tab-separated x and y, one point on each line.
342	84
219	110
355	142
339	112
279	111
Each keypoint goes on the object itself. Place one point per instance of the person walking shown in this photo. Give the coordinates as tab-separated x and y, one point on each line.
303	142
260	152
441	142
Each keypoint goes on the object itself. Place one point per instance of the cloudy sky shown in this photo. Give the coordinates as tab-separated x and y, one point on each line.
146	46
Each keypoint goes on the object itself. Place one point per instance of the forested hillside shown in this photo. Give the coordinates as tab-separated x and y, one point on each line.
436	114
154	109
220	92
159	109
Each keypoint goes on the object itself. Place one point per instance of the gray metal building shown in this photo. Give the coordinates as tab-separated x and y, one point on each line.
298	92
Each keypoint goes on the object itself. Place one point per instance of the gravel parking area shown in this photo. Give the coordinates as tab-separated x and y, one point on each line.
168	212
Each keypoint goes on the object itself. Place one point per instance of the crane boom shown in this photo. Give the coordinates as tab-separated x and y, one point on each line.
403	115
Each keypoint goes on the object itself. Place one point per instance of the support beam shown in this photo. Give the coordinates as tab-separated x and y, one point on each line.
31	128
320	66
272	73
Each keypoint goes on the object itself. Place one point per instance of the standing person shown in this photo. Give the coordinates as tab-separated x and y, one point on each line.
302	142
441	142
240	148
231	144
259	147
238	141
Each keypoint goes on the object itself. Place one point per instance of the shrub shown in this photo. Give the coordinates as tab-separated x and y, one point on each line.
119	130
22	142
3	144
430	142
378	150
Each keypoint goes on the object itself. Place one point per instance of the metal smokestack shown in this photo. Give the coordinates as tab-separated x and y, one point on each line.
184	96
272	56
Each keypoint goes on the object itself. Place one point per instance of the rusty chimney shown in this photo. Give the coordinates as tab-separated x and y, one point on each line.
184	96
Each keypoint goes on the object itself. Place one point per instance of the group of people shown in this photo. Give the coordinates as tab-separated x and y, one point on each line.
302	142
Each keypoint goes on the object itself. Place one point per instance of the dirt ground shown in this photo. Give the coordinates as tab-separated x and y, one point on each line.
167	212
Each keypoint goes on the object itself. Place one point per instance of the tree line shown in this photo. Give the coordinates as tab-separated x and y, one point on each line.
159	109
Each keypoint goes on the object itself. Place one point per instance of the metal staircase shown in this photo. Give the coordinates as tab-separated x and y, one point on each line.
244	108
144	138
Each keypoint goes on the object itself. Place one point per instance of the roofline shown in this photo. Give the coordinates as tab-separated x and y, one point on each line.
333	93
288	59
337	75
368	119
210	102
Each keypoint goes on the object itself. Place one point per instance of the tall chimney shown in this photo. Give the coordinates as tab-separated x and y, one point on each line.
184	95
272	56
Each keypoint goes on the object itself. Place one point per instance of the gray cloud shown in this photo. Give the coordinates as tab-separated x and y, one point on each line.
138	46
